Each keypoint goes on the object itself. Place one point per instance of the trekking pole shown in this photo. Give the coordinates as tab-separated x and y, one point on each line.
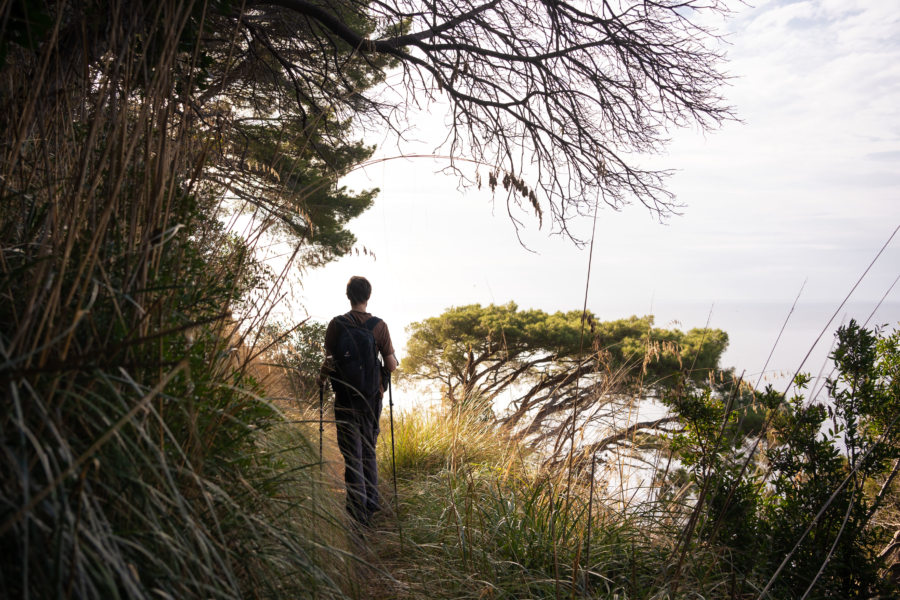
321	422
394	463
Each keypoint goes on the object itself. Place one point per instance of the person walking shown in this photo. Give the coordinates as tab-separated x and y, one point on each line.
353	342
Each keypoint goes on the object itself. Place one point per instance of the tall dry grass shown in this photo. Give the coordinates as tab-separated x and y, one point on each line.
484	517
669	513
140	457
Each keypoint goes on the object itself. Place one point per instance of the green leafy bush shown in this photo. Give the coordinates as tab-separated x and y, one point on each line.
798	517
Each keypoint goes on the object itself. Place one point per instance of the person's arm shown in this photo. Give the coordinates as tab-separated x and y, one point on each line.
328	364
386	347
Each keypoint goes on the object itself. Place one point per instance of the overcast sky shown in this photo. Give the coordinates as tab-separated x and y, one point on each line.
802	194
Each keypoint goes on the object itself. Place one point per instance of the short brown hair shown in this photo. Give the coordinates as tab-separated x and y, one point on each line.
358	290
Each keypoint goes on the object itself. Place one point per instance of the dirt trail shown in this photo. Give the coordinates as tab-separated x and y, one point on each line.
382	569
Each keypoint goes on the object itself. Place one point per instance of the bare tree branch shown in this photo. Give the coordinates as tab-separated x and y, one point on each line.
566	95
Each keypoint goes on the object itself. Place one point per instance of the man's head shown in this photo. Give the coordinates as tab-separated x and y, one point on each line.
358	290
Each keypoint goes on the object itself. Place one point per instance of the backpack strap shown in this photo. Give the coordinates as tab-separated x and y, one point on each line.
372	323
347	321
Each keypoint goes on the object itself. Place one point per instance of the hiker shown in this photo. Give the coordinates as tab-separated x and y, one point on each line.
352	342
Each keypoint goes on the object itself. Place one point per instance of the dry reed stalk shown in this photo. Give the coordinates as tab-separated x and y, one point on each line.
94	176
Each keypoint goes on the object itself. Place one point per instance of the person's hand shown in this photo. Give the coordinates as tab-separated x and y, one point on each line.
327	367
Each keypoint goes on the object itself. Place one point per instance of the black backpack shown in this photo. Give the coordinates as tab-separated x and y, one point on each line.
356	358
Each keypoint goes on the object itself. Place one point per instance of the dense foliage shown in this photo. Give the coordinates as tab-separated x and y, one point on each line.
799	514
135	439
479	350
551	363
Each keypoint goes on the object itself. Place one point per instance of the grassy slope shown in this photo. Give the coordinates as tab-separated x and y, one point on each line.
478	520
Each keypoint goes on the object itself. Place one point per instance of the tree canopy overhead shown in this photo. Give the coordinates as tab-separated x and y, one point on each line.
556	99
559	96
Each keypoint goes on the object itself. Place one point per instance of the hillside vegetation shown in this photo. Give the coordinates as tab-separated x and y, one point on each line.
161	430
800	504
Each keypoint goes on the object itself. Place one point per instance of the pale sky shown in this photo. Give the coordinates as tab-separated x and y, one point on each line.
803	193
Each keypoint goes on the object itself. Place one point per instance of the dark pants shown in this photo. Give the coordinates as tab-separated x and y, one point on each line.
357	430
